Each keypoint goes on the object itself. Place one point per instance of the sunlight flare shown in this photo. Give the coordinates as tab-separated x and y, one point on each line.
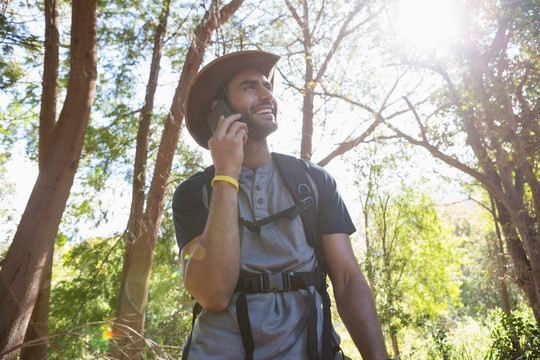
427	23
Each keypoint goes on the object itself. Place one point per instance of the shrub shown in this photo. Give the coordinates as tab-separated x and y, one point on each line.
515	337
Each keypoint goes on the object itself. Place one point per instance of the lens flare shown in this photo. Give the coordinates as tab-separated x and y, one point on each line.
108	334
175	274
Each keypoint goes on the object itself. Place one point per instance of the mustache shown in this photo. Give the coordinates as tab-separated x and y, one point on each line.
263	103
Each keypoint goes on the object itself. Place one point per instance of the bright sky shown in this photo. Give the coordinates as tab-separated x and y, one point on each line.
427	24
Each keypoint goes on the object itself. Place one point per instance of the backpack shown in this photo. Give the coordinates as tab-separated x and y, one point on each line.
293	172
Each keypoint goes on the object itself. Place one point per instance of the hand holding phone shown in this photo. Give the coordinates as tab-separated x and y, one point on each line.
221	108
227	152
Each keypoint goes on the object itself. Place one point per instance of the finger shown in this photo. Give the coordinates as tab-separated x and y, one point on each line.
225	122
236	126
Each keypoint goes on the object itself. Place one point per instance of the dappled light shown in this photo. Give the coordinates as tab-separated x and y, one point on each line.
416	119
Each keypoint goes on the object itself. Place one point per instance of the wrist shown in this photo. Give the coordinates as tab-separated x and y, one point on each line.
225	178
227	171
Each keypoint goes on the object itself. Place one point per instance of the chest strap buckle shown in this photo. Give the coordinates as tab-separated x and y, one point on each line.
275	281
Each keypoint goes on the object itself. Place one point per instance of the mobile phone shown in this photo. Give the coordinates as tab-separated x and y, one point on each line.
221	108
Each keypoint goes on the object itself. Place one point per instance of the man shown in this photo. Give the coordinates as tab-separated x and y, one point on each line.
221	252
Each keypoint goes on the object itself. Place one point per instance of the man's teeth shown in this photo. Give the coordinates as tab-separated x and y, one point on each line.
264	111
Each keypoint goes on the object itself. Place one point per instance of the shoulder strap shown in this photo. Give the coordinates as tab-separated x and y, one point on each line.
208	176
293	171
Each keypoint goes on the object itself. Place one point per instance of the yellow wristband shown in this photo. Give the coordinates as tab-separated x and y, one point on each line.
228	179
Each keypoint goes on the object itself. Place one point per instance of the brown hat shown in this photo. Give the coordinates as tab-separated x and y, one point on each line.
204	88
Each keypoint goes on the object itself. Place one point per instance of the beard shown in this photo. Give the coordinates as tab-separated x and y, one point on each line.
258	127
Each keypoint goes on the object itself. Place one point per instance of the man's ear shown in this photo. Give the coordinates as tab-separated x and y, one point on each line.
213	104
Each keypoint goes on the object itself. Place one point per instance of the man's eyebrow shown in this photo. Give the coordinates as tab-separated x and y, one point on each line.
255	82
248	82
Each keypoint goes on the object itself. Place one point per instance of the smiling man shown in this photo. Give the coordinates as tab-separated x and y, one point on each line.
259	232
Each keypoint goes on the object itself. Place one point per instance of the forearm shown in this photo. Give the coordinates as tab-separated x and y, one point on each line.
213	260
357	310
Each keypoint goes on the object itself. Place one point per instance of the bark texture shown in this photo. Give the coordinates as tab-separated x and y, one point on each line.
39	321
25	263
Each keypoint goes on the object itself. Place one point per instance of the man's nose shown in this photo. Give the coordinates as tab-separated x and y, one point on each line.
265	93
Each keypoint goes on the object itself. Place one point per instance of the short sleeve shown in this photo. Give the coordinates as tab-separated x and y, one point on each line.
332	214
190	211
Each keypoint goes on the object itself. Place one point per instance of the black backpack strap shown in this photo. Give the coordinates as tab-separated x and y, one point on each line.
196	311
294	174
208	177
242	316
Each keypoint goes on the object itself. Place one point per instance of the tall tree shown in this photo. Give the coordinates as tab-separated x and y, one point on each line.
325	29
490	91
144	226
24	266
39	322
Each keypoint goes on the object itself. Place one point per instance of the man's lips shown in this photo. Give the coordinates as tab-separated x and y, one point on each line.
266	108
265	111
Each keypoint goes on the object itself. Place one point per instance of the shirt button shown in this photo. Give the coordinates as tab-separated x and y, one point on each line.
260	201
257	187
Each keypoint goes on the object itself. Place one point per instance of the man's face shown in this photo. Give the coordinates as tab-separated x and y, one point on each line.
250	94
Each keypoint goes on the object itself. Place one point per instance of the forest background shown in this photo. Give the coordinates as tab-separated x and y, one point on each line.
426	112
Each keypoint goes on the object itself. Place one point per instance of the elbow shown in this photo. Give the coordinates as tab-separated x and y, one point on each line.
209	297
215	304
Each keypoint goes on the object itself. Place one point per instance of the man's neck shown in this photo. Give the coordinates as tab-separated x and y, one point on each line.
256	153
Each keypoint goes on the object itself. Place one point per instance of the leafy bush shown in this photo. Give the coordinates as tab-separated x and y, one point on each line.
83	300
515	337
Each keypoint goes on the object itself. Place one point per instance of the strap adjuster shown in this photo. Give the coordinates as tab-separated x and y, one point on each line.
307	202
275	282
305	196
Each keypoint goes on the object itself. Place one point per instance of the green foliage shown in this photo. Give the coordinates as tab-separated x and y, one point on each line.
515	337
412	260
13	35
448	338
482	270
168	315
84	291
84	288
419	276
12	71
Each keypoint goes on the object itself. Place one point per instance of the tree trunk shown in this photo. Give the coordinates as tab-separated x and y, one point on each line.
135	224
369	252
510	159
312	77
395	347
25	263
522	264
49	95
38	328
39	322
143	132
139	254
501	261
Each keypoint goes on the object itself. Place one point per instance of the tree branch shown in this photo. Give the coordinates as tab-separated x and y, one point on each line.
346	146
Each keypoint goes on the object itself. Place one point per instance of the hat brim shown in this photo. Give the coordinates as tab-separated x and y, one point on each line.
205	86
